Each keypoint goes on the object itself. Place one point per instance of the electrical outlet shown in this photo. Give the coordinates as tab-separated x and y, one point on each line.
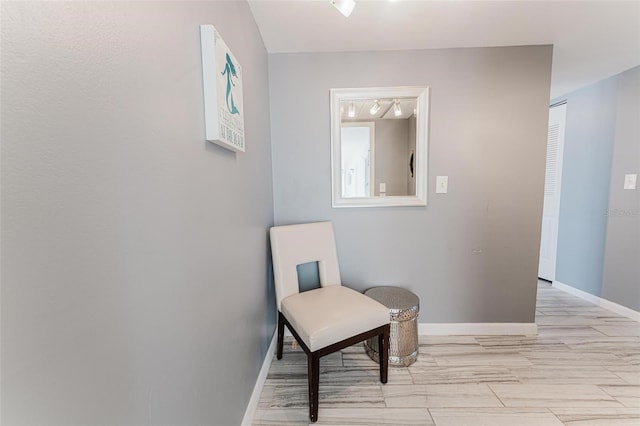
630	181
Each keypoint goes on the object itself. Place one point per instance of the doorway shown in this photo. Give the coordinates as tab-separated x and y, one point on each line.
357	156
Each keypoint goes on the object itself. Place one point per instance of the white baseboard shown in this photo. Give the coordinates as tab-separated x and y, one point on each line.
250	412
481	328
603	303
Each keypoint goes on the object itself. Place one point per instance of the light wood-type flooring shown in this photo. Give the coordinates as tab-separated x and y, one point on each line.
582	369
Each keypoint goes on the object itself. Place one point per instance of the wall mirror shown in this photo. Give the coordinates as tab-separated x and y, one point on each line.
379	146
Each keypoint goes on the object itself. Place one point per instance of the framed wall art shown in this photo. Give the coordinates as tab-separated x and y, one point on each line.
222	86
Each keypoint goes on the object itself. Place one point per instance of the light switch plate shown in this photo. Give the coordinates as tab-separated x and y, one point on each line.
630	181
442	182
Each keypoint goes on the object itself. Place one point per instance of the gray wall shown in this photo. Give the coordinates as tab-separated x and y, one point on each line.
391	156
599	229
621	275
584	198
470	255
134	253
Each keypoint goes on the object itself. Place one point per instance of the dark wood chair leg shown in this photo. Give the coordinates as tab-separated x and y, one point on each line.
280	343
383	346
313	361
313	358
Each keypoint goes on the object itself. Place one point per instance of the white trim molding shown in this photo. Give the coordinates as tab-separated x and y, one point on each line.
480	328
250	412
603	303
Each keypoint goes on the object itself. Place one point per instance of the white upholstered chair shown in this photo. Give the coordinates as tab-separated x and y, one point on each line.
326	319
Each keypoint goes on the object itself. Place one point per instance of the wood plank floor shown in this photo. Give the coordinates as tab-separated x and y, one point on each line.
583	368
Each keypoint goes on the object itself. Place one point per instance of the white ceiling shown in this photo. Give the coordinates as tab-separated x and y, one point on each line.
592	40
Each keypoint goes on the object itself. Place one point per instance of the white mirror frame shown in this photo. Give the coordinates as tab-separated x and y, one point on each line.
420	158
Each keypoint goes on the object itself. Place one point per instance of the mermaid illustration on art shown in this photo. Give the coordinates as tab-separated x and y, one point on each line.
230	71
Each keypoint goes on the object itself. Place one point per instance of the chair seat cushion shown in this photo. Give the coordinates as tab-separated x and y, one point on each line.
328	315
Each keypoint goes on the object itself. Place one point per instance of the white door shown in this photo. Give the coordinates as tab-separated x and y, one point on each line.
552	180
357	143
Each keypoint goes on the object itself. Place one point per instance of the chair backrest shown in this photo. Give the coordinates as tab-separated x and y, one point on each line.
293	245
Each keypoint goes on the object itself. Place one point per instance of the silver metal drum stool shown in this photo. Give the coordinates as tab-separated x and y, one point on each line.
404	307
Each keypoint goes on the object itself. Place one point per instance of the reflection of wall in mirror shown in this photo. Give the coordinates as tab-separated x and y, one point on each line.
393	149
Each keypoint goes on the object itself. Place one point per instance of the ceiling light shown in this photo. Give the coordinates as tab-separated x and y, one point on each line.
396	108
375	108
344	6
352	110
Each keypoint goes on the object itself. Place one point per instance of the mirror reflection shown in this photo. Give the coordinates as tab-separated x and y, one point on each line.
378	143
379	146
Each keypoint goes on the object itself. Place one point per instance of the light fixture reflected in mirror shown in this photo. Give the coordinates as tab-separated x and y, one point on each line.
375	108
344	6
352	110
396	108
